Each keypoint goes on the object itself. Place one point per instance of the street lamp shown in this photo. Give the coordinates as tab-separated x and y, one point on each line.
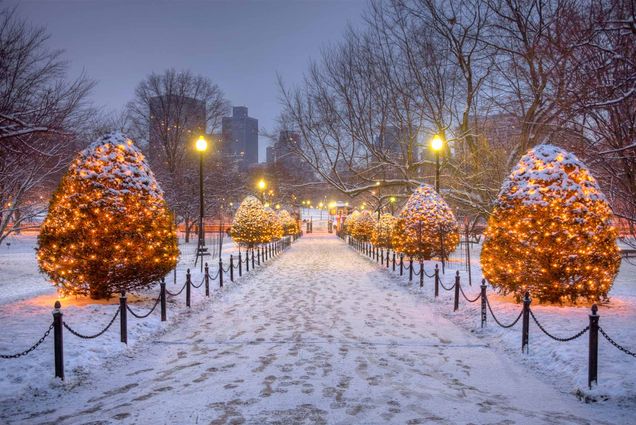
201	146
262	185
437	143
392	201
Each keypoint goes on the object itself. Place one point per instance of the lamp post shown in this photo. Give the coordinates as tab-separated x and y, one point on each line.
201	146
437	143
392	201
262	185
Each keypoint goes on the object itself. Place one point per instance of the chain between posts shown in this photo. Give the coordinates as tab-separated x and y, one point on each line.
556	338
139	316
445	288
615	344
176	293
28	350
466	298
100	333
200	284
497	321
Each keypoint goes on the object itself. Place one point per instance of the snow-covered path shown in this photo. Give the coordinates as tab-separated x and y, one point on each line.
320	335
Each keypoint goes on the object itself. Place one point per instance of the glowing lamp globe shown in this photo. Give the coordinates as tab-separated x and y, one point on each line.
201	144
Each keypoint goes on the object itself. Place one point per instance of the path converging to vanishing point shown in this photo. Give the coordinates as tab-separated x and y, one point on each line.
320	335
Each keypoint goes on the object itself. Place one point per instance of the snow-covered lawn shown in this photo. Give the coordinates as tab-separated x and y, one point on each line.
563	363
26	305
319	335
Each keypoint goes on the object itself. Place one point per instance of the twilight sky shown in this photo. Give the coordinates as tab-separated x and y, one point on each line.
240	45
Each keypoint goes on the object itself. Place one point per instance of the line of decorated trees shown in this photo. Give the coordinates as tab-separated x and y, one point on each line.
550	233
256	224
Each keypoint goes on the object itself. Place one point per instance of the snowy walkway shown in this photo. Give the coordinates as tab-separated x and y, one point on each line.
320	335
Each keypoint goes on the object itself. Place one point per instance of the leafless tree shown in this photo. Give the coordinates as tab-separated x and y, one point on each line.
605	102
169	111
40	114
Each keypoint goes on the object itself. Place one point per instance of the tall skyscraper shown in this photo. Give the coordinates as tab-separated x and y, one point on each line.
240	136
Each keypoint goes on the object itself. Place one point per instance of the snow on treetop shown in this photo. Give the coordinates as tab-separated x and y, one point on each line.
427	206
547	172
115	164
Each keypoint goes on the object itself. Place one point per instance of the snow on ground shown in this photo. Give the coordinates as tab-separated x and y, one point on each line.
319	335
26	320
564	364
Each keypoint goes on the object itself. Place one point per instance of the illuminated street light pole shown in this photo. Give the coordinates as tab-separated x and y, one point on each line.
437	143
262	185
201	146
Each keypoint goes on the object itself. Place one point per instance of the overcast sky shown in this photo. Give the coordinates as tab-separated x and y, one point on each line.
240	45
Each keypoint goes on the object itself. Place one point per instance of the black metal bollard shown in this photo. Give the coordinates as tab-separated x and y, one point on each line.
123	318
421	273
247	260
220	272
484	316
525	323
58	340
162	299
188	283
410	269
592	367
258	253
387	258
231	268
456	304
401	264
381	256
240	265
436	280
207	280
393	260
253	266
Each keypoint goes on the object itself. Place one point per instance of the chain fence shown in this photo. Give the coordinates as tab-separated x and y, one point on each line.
100	333
143	316
615	344
556	338
28	350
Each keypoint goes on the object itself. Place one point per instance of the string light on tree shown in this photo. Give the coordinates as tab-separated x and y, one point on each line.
290	225
384	230
250	225
108	228
551	231
350	221
363	226
426	227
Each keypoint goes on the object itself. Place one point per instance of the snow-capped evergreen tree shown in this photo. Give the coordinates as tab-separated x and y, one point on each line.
426	227
250	226
383	232
274	226
108	228
363	226
551	231
290	225
350	221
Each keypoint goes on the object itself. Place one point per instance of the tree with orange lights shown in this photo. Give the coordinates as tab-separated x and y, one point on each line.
250	226
383	232
426	227
108	228
551	231
363	226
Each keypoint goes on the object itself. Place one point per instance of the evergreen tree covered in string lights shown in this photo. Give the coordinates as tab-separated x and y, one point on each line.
250	226
384	230
108	228
274	226
290	225
551	231
350	221
426	227
363	226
